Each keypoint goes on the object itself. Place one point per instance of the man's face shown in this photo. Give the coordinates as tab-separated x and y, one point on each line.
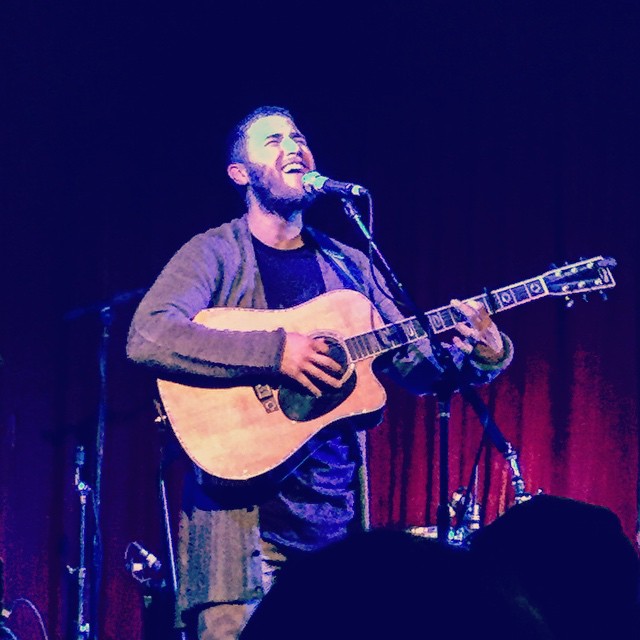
277	156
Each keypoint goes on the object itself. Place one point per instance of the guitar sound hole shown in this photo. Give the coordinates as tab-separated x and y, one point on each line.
297	403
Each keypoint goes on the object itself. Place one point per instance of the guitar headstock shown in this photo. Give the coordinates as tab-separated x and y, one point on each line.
581	277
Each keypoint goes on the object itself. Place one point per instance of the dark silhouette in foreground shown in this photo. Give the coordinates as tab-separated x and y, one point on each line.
391	584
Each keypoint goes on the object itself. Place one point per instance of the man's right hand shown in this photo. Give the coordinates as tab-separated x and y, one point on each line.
305	360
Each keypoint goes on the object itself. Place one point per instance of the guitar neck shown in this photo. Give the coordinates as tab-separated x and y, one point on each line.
392	336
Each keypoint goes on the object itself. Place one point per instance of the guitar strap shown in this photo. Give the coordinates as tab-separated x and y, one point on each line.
342	264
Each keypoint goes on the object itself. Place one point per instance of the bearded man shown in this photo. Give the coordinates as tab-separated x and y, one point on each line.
233	537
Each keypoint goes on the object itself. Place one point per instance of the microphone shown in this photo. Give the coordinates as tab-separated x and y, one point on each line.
151	560
313	182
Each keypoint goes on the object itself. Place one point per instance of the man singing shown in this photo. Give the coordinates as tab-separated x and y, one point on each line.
231	542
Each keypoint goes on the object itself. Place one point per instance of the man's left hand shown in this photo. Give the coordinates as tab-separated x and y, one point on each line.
480	335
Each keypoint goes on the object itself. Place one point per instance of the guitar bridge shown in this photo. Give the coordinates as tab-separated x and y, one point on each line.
265	394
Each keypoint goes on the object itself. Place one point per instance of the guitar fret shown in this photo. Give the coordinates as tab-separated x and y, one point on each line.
374	343
380	340
391	336
506	297
419	330
520	293
366	338
352	347
409	328
363	345
436	321
452	316
356	347
445	317
536	288
495	303
395	335
484	300
383	339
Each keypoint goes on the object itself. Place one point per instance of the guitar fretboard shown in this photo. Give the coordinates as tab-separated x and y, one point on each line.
410	330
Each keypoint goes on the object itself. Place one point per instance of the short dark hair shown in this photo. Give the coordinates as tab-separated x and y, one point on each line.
237	138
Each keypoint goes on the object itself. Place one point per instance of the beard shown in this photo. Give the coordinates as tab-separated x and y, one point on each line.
275	196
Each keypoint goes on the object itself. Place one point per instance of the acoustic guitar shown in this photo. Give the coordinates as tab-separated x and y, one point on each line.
242	432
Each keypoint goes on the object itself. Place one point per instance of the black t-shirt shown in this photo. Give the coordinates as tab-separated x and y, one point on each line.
315	503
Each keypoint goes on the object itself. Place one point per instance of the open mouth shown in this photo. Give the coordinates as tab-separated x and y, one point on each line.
294	167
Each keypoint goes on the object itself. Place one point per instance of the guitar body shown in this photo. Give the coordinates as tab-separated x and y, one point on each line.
237	433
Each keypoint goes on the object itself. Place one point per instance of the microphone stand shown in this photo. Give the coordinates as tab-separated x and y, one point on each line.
105	311
445	388
165	460
83	626
444	391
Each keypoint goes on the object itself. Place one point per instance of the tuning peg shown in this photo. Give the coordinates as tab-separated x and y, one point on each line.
553	265
603	295
569	302
585	297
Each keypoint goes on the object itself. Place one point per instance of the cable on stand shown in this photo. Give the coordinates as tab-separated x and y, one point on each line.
6	632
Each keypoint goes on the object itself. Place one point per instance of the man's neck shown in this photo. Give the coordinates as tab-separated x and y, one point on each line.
273	229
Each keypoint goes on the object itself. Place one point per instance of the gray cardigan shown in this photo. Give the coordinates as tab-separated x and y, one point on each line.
218	553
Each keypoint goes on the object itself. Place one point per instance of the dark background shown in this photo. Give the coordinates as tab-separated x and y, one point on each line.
496	138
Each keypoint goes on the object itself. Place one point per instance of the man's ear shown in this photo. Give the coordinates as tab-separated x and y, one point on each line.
238	173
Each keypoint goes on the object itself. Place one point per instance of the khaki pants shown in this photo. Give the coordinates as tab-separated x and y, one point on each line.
226	621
